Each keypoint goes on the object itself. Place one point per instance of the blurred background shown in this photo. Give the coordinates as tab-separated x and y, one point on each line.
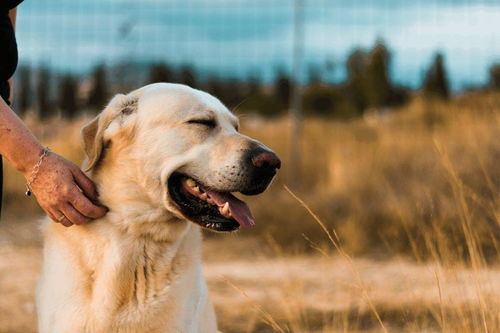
75	48
385	113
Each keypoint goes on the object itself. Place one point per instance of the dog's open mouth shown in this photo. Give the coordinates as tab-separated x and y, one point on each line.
214	210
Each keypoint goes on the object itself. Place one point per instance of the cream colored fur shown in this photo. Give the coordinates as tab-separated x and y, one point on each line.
138	269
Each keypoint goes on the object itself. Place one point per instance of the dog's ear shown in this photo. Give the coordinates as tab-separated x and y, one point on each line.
92	143
99	130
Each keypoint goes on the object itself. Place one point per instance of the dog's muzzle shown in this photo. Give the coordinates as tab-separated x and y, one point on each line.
263	165
218	209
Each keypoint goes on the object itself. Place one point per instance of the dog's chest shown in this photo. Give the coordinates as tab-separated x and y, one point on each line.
149	285
151	274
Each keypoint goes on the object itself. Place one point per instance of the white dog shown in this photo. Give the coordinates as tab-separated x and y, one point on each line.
165	159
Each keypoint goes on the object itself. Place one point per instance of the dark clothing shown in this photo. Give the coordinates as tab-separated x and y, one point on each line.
8	46
8	59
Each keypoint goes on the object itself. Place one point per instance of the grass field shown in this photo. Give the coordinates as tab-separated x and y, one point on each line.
257	288
392	224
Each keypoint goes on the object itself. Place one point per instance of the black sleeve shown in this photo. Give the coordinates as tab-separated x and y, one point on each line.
9	4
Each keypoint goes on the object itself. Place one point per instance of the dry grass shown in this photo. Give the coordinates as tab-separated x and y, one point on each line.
418	181
393	225
257	288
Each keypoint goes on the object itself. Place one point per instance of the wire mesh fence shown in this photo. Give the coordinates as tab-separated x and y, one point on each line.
242	50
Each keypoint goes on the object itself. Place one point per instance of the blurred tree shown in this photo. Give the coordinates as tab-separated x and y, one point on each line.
368	82
356	63
495	76
256	99
253	84
23	82
230	91
436	80
215	86
98	94
319	99
282	89
160	73
355	88
45	109
68	96
377	86
261	103
233	92
186	76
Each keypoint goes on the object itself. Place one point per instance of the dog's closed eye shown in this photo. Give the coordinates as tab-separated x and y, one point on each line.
127	110
205	122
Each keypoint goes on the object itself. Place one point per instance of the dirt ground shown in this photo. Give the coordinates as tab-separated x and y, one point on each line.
255	291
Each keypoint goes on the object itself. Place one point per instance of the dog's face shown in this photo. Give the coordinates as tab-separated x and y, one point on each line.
185	151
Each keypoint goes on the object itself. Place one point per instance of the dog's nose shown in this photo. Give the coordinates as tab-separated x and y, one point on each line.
266	159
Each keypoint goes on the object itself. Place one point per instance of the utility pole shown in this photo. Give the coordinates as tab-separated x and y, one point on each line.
296	96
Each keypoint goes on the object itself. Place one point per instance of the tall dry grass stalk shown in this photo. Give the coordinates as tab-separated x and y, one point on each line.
482	313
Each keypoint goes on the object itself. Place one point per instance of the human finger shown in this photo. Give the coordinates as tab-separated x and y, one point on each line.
85	183
84	206
73	215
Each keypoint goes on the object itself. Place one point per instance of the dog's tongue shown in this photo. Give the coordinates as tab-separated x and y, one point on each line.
239	210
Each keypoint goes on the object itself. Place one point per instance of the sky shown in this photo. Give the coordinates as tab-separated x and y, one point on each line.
239	38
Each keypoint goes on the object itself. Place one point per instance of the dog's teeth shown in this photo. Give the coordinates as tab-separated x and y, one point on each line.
196	189
225	209
203	196
190	182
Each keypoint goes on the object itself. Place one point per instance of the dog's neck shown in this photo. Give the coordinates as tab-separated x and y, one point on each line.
136	275
155	248
132	207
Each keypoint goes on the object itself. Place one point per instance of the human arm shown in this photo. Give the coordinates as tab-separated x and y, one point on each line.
58	182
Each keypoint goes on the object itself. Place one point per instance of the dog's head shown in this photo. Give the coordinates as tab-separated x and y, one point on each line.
182	147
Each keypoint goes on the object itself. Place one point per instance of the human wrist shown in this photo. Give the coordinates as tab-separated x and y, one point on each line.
30	157
34	172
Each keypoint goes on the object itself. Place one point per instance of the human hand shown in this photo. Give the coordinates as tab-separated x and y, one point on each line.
65	193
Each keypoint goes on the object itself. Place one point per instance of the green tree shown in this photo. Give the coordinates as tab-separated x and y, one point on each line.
436	79
68	90
98	95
